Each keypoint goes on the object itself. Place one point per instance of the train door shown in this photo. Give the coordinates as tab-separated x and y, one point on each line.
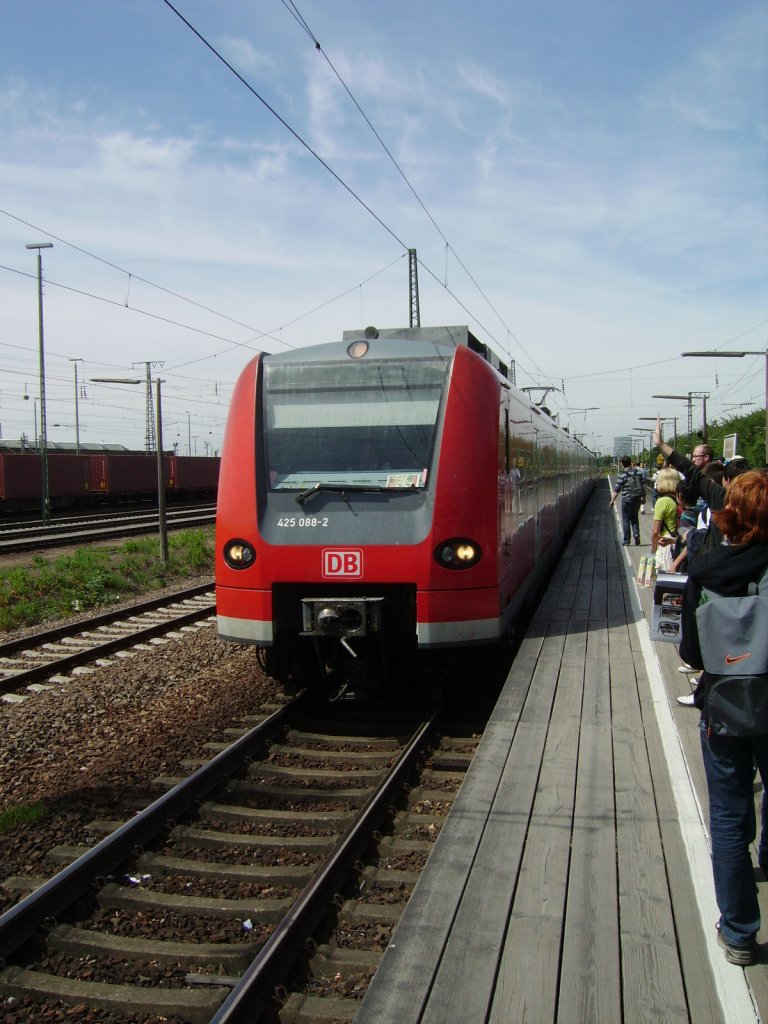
536	490
505	502
522	474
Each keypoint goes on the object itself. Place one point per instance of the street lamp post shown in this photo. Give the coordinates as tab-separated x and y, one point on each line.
46	494
689	399
740	355
161	504
161	476
585	410
663	419
641	440
77	360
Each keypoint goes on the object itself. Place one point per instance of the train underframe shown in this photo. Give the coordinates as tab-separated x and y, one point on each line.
343	638
351	642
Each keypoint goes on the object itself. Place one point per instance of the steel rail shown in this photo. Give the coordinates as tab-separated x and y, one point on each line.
21	922
101	533
18	681
19	530
253	992
48	636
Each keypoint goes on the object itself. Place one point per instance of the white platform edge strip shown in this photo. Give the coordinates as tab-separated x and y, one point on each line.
731	983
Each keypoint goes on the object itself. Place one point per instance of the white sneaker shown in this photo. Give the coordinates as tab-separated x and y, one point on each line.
686	701
686	668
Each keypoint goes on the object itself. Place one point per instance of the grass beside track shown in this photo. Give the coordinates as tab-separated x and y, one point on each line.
98	576
23	814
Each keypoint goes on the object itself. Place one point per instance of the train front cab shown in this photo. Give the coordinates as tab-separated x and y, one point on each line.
353	472
465	482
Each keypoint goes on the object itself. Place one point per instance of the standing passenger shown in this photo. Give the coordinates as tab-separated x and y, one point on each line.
664	531
703	454
629	483
729	760
705	482
644	474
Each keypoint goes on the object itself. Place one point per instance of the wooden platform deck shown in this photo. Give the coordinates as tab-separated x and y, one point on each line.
571	882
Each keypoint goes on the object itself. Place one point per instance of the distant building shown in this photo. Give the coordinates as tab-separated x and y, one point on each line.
622	446
25	445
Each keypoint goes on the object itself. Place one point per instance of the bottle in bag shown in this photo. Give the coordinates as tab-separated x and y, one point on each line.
641	570
650	571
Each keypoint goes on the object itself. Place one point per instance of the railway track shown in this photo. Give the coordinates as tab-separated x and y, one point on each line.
45	658
34	536
10	522
234	888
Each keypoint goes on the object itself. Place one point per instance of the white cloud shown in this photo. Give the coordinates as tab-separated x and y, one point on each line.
605	226
127	156
246	59
720	86
478	79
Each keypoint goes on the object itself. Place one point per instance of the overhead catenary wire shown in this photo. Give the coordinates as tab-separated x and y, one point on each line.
133	309
284	123
132	276
658	362
232	343
294	11
390	231
302	316
129	273
131	294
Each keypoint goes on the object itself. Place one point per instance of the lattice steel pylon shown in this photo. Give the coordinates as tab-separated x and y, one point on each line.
150	438
703	395
413	290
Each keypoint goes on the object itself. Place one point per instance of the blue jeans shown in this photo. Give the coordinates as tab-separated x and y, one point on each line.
729	763
630	509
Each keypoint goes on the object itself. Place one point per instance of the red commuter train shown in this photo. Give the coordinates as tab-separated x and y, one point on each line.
388	494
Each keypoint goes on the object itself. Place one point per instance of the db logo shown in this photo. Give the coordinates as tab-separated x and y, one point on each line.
342	563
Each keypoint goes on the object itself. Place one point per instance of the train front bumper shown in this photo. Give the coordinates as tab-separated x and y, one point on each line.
437	618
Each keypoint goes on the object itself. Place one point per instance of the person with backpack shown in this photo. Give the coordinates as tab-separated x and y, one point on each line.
725	633
631	486
644	476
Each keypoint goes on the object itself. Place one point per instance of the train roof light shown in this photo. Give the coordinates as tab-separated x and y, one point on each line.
357	349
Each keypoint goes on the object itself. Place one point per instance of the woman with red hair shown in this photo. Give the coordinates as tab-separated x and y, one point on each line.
729	760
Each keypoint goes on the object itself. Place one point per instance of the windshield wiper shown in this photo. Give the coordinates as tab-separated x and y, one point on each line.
342	489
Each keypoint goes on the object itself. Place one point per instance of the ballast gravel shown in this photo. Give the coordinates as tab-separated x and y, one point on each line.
91	746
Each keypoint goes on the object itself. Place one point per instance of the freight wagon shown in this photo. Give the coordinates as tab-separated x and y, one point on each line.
69	481
98	478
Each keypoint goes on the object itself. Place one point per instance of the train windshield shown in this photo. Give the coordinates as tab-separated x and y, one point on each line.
366	424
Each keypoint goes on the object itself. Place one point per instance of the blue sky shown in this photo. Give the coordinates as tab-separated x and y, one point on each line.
594	177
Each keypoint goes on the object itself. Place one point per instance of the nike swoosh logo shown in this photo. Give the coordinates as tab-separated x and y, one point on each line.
730	660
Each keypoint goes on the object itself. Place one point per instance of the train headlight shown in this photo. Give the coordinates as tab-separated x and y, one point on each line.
239	554
459	553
